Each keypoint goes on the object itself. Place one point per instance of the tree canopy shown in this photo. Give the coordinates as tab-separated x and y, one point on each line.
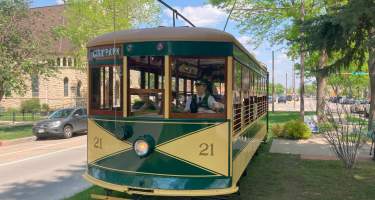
90	18
21	55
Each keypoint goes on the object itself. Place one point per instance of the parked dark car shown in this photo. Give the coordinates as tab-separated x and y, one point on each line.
289	98
281	99
62	123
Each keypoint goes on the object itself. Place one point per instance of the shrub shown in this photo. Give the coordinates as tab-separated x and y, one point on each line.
296	129
32	105
45	108
278	130
12	110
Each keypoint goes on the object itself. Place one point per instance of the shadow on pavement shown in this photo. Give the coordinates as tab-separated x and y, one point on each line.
63	185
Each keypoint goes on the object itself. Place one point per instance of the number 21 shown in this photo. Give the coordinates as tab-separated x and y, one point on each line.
206	149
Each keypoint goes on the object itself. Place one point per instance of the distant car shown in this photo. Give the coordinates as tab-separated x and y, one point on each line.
62	123
336	99
281	99
289	98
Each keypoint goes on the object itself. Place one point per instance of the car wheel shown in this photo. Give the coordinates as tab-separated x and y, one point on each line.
68	131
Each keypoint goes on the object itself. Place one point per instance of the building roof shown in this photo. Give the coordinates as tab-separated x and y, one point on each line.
167	34
43	22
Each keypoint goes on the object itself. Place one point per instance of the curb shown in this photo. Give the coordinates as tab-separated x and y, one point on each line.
16	141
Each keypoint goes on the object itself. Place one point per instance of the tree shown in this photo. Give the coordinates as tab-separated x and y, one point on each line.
90	18
279	89
310	89
276	22
348	36
21	54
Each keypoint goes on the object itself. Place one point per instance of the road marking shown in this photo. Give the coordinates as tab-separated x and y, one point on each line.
48	145
40	156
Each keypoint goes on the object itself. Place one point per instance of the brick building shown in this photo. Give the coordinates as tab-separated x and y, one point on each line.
69	86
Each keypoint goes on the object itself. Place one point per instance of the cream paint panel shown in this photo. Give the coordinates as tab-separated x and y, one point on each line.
242	160
100	143
207	148
167	79
125	85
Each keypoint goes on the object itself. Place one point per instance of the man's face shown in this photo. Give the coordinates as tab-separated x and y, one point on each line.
201	89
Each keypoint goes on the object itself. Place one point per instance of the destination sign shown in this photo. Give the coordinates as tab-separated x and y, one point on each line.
104	52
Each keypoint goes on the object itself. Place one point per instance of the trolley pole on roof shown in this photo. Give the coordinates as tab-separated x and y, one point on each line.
176	14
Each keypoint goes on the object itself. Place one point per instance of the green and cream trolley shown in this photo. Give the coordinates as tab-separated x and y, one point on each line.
149	134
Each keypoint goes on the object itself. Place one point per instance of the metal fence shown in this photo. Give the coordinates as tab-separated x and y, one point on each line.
22	116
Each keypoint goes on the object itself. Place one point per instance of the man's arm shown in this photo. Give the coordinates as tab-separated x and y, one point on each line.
187	105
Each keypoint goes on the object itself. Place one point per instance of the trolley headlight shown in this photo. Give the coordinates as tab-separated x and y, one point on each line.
144	145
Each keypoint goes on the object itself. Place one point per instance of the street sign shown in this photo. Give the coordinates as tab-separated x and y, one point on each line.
360	73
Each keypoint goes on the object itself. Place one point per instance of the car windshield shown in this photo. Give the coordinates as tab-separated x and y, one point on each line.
60	113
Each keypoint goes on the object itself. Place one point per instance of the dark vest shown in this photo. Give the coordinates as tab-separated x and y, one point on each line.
194	105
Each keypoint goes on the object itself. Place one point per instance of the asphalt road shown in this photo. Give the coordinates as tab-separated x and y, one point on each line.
43	170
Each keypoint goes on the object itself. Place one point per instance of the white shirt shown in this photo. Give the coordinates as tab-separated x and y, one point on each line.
210	101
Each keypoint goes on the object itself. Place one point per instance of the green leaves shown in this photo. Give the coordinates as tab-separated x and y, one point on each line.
20	54
86	19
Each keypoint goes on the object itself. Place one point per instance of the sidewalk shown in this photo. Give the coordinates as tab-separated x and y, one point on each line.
315	148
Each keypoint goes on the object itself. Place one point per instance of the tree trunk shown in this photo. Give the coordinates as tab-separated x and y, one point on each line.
302	78
1	91
321	84
371	67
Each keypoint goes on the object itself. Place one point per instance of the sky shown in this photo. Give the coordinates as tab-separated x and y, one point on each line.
202	14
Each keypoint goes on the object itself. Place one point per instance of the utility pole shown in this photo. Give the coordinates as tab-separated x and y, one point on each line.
286	84
294	87
273	82
302	85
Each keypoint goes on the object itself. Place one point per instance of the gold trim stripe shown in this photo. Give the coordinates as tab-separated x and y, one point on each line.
147	173
158	192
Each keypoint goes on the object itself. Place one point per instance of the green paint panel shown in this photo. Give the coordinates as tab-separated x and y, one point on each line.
159	182
245	138
161	132
105	62
156	163
178	48
247	61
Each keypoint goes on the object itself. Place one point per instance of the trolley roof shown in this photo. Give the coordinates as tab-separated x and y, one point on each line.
168	34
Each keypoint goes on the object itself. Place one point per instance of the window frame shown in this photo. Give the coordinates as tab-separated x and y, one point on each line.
186	115
93	111
140	91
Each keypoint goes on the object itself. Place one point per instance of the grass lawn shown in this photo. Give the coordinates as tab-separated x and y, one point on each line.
14	132
287	177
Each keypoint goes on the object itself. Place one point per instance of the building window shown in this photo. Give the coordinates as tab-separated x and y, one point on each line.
35	86
64	61
79	85
70	62
66	87
58	62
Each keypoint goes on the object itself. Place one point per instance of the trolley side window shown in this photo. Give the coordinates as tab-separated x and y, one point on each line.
198	87
146	82
106	89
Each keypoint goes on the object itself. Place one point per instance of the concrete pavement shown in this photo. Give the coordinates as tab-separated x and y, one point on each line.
314	148
38	170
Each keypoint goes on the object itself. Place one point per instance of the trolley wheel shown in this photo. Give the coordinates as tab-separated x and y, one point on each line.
68	131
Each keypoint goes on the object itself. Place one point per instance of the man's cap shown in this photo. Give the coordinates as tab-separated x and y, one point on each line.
201	82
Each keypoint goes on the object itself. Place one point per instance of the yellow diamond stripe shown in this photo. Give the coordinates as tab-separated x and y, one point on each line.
101	143
207	148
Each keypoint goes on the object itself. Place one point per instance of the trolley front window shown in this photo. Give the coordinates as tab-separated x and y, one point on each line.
198	87
106	89
146	82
